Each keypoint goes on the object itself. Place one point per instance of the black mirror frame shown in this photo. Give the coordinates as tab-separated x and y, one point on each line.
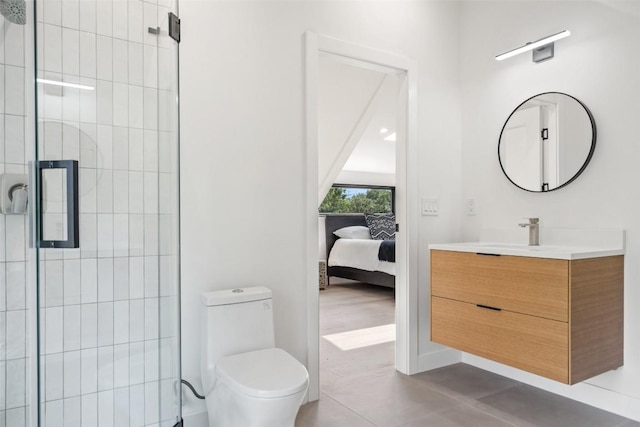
587	160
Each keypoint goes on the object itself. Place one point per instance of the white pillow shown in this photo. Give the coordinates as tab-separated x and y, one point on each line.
353	232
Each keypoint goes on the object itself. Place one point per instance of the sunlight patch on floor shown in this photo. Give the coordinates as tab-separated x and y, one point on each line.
359	338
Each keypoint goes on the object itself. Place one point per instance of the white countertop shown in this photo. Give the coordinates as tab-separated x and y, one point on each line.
542	251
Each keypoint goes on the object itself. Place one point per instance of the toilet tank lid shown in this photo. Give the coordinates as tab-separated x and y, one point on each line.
236	296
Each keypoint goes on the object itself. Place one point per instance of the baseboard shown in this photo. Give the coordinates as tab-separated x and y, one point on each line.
592	395
438	359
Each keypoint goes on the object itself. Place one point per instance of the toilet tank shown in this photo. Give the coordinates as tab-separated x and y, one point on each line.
235	321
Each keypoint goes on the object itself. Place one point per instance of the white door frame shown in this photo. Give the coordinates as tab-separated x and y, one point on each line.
406	201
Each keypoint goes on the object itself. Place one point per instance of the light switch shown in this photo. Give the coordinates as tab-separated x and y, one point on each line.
470	206
430	207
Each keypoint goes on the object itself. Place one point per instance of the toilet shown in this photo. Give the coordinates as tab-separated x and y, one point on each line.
247	381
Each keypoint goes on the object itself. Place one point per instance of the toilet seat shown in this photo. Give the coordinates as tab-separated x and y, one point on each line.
267	373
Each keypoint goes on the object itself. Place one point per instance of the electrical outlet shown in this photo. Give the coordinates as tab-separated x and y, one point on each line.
430	207
470	206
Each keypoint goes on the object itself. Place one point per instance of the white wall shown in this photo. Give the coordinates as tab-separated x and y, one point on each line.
599	65
242	138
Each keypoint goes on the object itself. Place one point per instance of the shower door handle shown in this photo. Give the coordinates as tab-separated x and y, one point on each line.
72	214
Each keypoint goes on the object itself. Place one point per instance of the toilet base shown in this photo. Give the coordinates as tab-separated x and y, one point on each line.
228	409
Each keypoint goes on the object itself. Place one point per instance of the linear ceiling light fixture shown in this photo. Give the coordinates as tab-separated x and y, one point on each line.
65	84
542	49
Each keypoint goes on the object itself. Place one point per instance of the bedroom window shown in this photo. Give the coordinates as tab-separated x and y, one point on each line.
358	199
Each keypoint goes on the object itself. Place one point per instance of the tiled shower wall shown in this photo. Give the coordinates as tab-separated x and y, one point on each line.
14	358
109	309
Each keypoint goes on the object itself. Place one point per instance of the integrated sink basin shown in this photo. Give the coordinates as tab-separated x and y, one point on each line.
542	251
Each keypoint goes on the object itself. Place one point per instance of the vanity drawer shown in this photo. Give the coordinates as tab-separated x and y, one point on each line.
535	286
533	344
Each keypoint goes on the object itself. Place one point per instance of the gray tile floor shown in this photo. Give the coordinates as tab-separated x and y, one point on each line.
361	387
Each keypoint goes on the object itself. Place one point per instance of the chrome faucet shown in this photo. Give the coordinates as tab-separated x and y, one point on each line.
534	231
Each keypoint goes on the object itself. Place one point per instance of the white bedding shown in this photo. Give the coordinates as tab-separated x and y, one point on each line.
359	253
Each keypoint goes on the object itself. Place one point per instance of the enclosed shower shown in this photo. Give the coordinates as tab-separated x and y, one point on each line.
89	213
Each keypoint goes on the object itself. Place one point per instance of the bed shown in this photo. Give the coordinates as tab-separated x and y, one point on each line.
372	274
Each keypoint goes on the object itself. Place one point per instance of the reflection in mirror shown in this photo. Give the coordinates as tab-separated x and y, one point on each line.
546	142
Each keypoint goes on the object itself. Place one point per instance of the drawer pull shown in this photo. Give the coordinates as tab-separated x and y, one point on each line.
488	307
482	253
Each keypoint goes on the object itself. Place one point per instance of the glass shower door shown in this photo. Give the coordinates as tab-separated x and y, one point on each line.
108	282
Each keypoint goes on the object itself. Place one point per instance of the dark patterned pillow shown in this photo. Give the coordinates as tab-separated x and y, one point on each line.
382	226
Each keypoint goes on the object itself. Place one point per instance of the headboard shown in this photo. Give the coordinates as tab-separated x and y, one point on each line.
333	222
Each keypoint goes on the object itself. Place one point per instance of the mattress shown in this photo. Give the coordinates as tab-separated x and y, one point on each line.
361	254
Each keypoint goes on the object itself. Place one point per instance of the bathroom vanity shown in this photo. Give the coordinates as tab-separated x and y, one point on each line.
552	311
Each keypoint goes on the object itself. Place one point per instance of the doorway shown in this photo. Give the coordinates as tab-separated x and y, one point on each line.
406	194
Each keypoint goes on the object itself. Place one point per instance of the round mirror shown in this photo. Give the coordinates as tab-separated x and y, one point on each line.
547	142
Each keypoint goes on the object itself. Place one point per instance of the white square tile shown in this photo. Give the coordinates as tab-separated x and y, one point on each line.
105	235
88	55
121	406
151	281
104	102
3	379
120	235
151	403
105	191
88	235
121	146
71	103
136	107
136	149
104	60
73	408
16	238
166	242
72	327
16	416
14	91
168	313
136	406
136	58
105	18
54	290
167	111
89	327
150	151
87	114
120	192
105	324
89	280
136	192
54	413
121	365
151	234
166	358
121	324
14	45
120	61
151	193
151	323
89	371
136	363
71	14
150	66
52	12
71	373
106	408
54	380
150	21
14	139
151	360
16	334
105	147
136	321
136	277
52	48
88	16
120	104
16	285
105	279
90	406
136	22
121	279
71	281
150	108
16	376
88	190
167	399
3	301
120	19
70	52
105	368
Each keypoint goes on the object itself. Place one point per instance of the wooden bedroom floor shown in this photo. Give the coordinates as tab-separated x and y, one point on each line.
360	387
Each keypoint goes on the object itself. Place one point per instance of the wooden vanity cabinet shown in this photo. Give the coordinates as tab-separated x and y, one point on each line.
561	319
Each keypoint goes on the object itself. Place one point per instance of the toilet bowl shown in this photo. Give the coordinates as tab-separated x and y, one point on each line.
248	382
261	388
